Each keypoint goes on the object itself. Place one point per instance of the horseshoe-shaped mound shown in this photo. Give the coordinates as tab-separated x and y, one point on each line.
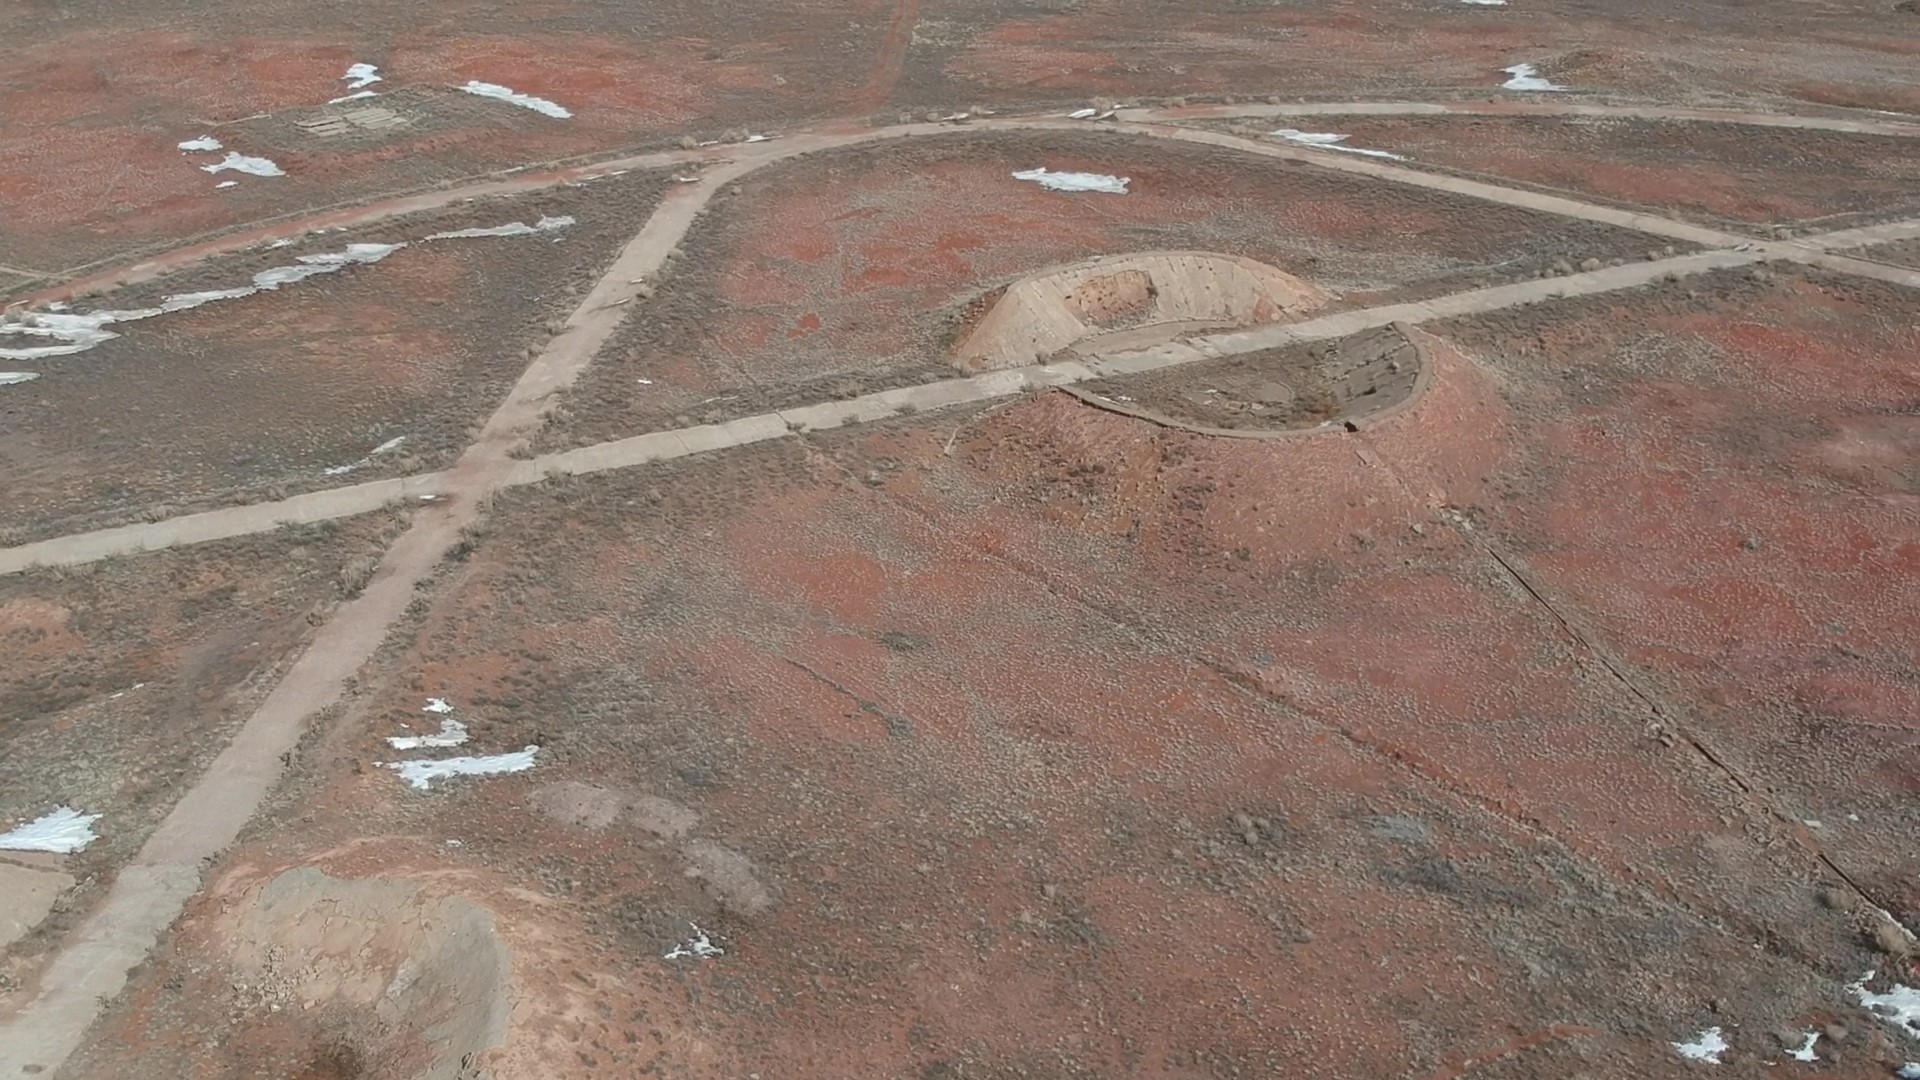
417	985
1128	302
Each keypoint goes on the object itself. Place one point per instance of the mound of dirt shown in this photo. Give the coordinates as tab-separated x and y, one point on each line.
421	982
1276	391
1129	301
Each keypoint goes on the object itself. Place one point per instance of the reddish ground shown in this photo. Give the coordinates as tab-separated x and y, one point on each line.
1566	714
1640	50
256	397
851	270
1727	492
96	105
1709	172
1083	748
123	679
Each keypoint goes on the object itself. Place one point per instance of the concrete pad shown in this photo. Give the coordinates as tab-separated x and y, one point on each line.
26	897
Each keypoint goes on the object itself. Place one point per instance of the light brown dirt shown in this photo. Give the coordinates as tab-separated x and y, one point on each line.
1041	315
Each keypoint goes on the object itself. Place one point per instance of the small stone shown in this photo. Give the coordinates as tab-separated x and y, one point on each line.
1588	266
1250	838
1833	897
1242	822
1049	891
1836	1032
1562	267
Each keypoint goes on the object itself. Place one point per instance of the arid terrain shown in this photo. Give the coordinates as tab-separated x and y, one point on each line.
1067	541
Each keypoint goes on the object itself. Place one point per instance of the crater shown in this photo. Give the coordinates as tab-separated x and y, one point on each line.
1316	386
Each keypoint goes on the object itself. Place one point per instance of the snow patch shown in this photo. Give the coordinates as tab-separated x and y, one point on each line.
514	97
355	96
436	705
1899	1005
63	830
77	332
422	774
390	444
1486	3
238	162
452	733
1525	77
14	378
1327	140
1706	1046
1909	1071
511	228
359	76
204	142
699	946
1075	181
1083	114
1805	1052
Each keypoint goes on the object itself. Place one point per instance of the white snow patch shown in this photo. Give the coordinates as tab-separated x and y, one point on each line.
1899	1005
359	76
758	138
14	378
77	332
227	184
452	733
1909	1071
238	162
63	830
204	142
390	444
525	101
1706	1046
437	705
422	774
355	96
1083	114
1805	1052
1524	77
1486	3
1075	181
511	228
1327	140
699	946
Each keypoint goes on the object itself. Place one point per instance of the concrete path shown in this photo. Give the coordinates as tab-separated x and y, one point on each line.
150	892
1543	109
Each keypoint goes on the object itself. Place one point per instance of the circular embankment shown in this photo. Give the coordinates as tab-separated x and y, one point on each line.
1129	302
1301	389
